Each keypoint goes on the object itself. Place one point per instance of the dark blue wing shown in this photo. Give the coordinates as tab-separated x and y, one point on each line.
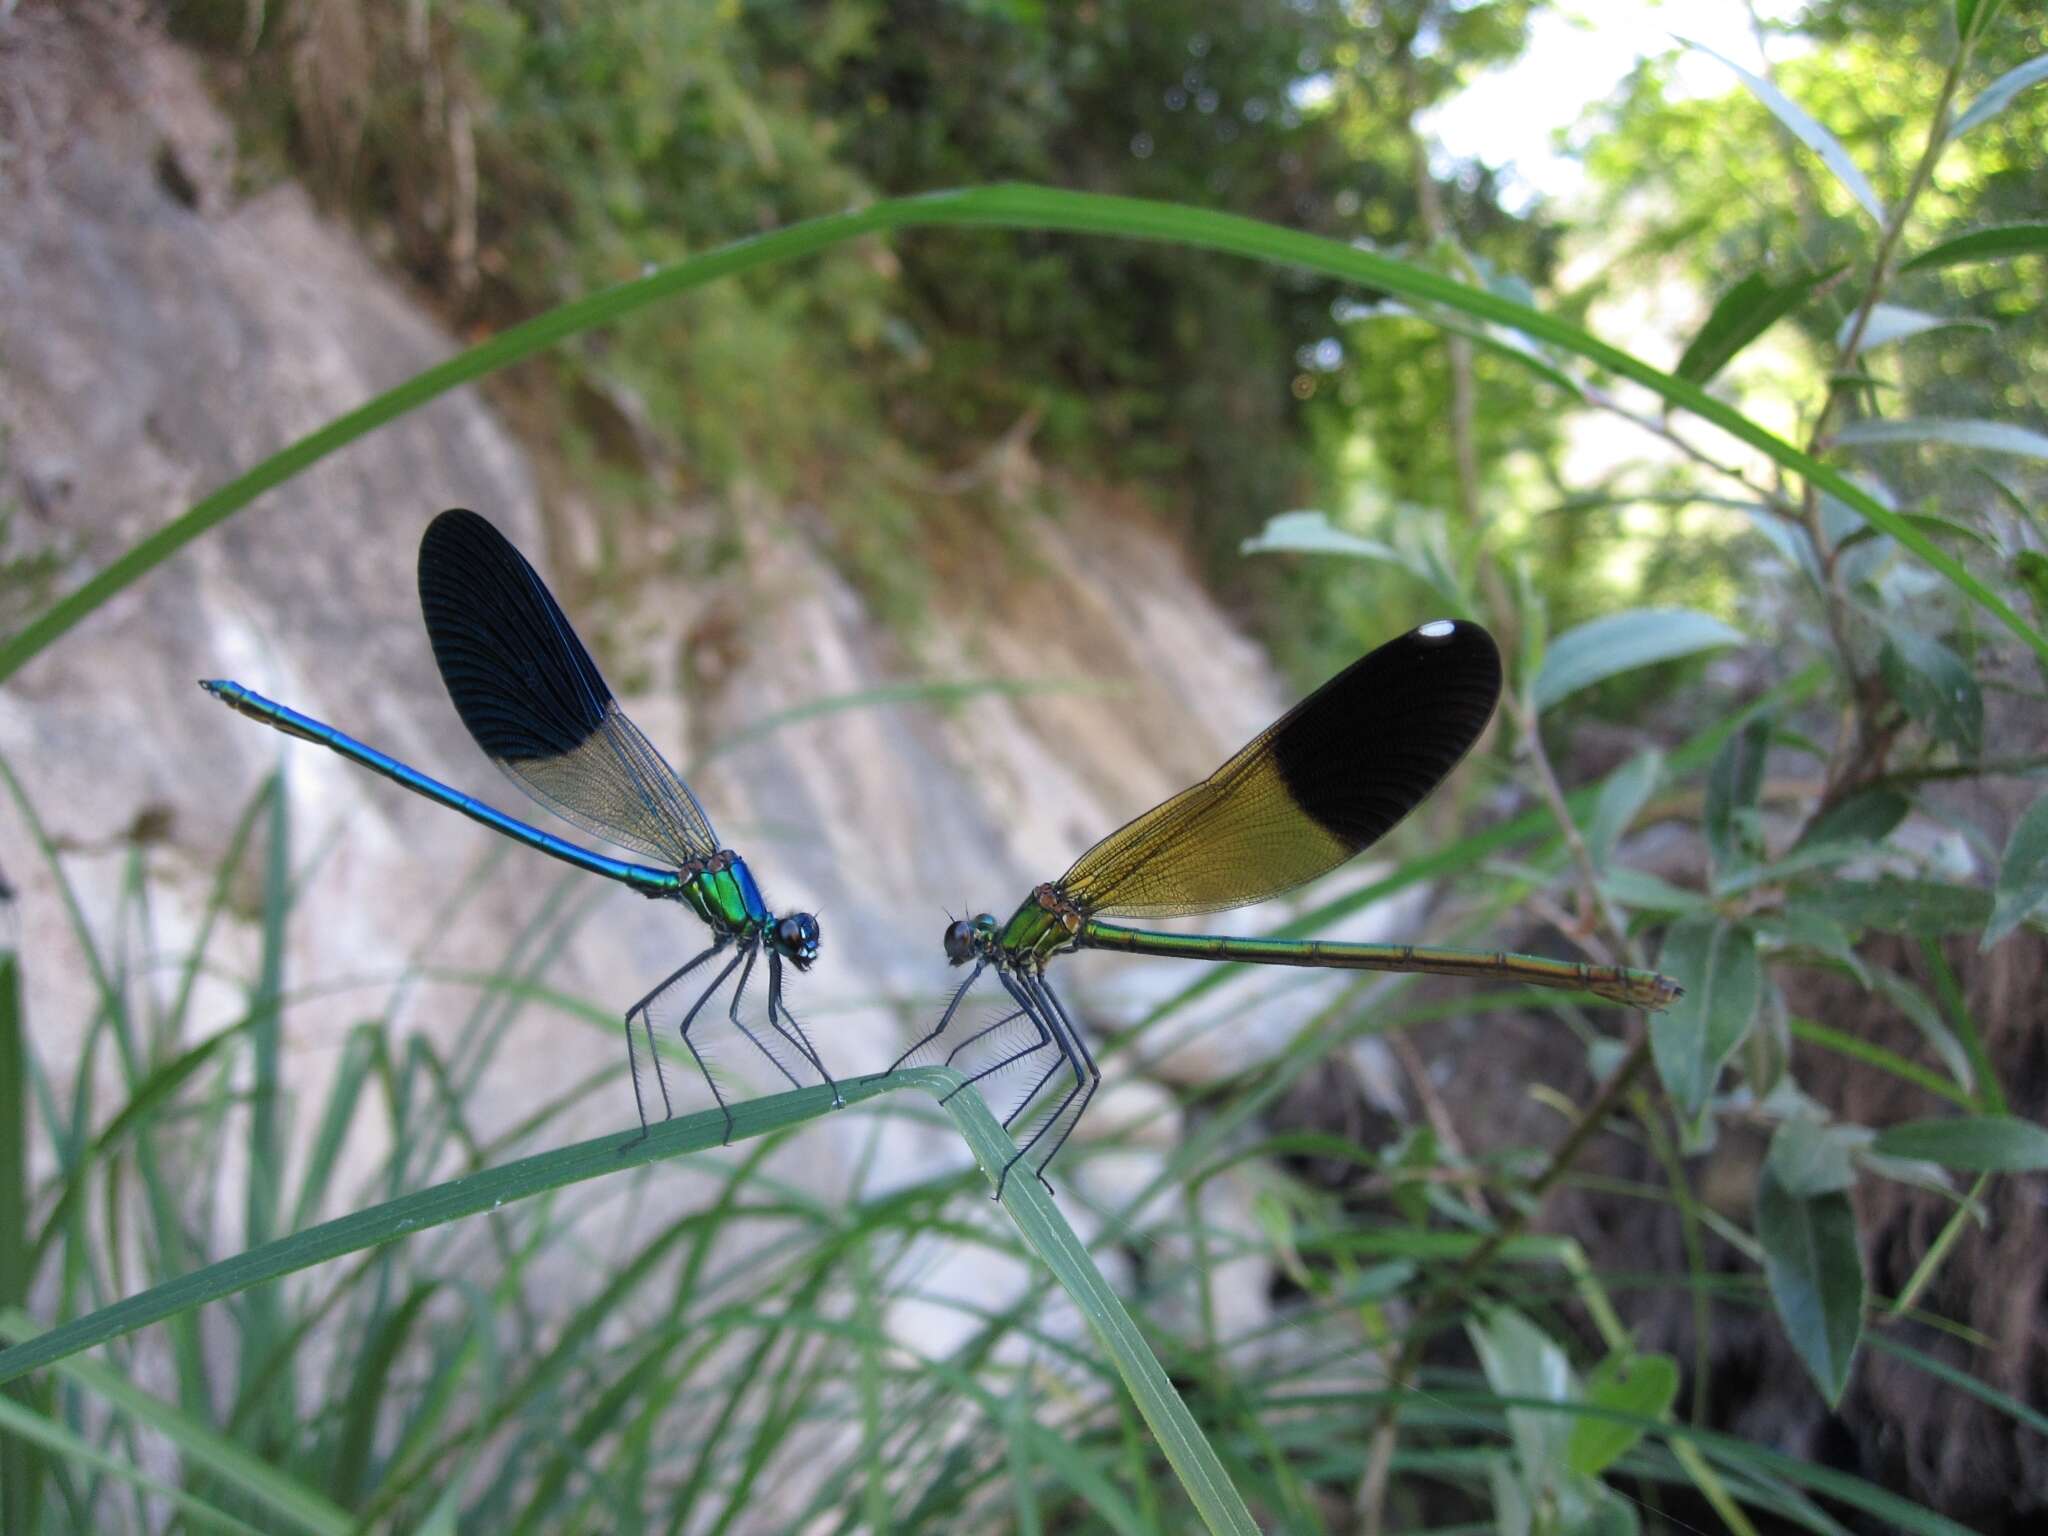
534	701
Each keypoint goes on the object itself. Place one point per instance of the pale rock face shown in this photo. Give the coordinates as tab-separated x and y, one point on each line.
155	349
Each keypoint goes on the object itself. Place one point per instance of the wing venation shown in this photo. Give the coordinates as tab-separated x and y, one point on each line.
1324	781
535	702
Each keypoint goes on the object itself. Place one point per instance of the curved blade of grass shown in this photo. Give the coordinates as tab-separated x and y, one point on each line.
199	1445
1008	206
20	1464
937	693
1042	1226
61	1442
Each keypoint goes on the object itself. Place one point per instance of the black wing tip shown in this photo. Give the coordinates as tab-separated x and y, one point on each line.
1450	634
1371	744
460	525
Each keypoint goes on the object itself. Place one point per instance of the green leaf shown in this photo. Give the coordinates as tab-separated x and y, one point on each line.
1935	687
1892	905
1312	533
1993	436
1620	642
1716	962
1999	94
1806	131
1797	927
1894	322
1815	1270
1809	1158
1644	1385
1512	345
1931	523
1921	1013
2030	567
1866	818
1621	800
1521	1360
1973	16
1736	778
1995	242
2022	876
1641	891
1744	313
1973	1143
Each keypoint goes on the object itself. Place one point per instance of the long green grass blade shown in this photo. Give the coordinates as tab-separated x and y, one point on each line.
17	1420
1013	206
228	1463
1048	1234
20	1461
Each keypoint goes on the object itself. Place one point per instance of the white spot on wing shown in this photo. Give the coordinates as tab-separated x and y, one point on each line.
1435	629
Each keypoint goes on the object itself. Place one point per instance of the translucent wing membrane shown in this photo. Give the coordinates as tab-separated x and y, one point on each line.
534	701
1328	778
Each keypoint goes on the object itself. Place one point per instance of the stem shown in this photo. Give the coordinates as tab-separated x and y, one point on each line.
1863	756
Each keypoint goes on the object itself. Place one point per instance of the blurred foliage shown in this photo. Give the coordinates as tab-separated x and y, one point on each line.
511	153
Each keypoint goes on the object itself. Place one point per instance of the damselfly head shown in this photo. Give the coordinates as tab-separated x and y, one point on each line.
796	939
964	940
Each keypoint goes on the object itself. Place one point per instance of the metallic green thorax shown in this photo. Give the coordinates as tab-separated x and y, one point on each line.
723	893
1044	925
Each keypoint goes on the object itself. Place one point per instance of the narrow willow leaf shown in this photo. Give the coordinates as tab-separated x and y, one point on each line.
1935	687
1866	818
1621	800
1996	242
1925	907
1312	533
1644	1385
1734	835
1796	928
2023	876
1809	1158
1767	1053
1744	313
1512	1514
1993	436
1521	1360
1921	1013
1916	1171
1620	642
1929	522
1641	891
1716	962
1973	1143
1894	322
1806	131
1815	1270
1789	541
1512	345
1999	93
